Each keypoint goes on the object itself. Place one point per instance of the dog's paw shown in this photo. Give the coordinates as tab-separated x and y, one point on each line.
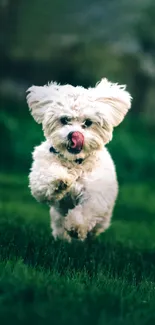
75	227
61	187
77	224
62	236
78	232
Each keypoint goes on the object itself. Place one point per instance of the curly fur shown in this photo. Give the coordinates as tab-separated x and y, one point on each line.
81	197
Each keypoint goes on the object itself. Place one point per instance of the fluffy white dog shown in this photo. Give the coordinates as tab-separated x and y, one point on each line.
72	170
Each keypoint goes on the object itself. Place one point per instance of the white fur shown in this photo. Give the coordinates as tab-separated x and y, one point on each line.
81	197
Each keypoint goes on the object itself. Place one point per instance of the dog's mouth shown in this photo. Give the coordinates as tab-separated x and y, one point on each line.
75	142
73	151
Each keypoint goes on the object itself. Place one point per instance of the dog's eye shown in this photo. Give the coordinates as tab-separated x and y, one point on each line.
65	120
87	123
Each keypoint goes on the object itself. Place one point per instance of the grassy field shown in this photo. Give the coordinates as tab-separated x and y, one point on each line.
109	281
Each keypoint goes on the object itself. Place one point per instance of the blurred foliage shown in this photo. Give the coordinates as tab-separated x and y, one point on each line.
79	43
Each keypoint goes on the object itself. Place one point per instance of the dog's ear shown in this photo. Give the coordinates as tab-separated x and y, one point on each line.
116	100
39	98
36	100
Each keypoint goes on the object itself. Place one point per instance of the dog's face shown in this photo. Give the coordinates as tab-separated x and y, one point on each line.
78	121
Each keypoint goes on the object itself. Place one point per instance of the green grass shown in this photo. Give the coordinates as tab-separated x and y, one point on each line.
109	281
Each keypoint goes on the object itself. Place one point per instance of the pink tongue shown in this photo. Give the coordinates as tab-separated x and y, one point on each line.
77	140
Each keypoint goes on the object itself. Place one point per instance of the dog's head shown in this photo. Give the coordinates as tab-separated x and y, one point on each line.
78	121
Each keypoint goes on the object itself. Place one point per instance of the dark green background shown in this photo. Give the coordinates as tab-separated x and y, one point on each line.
112	280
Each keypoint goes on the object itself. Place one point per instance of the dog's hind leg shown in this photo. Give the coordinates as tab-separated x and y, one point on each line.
57	225
102	225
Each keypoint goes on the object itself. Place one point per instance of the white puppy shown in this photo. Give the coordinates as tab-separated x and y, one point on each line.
72	170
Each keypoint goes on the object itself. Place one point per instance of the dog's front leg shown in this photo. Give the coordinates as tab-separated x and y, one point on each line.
49	184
